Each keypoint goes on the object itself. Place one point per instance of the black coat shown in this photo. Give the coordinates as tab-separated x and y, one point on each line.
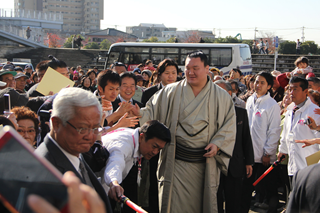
305	196
116	102
243	150
148	93
32	92
56	157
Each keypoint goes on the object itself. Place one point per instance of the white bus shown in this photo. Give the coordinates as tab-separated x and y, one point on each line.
222	56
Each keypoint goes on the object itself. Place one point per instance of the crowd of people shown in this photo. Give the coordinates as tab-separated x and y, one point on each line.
172	141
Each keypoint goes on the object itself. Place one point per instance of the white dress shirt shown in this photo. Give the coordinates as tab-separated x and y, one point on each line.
264	120
123	146
295	129
122	100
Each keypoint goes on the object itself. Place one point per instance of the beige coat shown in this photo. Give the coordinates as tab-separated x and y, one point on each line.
165	106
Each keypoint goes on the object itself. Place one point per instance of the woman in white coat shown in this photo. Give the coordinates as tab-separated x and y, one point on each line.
264	120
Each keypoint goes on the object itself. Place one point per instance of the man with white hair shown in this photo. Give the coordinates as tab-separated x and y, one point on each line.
75	124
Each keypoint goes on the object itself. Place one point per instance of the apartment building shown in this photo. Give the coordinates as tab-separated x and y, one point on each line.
78	15
145	30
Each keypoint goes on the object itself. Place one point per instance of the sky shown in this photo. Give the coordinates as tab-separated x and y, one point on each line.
282	18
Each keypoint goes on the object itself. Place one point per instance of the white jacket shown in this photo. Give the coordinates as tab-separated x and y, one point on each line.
264	120
297	154
123	146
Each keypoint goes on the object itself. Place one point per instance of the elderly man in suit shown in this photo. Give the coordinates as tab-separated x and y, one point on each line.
75	124
240	163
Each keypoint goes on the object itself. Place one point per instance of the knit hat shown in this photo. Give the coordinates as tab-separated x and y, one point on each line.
148	72
139	78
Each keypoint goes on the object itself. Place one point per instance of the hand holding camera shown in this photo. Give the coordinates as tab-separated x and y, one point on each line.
311	124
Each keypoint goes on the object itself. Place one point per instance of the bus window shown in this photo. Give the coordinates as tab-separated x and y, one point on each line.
125	58
245	53
189	50
133	59
157	58
137	49
185	51
113	57
165	50
221	57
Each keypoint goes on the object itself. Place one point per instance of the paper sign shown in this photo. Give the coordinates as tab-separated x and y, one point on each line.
313	159
53	81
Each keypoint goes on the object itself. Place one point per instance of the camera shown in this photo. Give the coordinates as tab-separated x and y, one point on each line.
44	115
307	121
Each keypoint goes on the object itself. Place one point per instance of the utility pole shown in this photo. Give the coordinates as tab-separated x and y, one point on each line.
219	33
302	38
255	34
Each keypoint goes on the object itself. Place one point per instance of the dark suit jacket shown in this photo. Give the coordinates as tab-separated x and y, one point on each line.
148	93
243	150
32	92
116	102
305	196
56	157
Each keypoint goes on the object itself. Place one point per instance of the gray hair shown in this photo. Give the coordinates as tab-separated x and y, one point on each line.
226	84
68	99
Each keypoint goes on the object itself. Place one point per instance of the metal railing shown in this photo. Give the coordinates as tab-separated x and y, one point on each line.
31	14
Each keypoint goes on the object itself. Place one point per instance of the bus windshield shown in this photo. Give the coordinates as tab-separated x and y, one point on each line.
245	53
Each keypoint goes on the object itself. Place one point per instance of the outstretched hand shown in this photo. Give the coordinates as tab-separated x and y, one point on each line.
124	107
317	111
135	111
124	121
106	105
308	142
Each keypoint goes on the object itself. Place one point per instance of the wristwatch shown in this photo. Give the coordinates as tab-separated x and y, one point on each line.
265	154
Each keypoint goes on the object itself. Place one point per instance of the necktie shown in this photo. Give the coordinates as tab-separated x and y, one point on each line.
294	110
84	173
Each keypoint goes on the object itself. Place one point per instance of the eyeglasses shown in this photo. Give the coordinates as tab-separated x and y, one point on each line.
85	131
30	131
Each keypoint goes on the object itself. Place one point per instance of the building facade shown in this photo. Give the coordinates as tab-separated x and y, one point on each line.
144	30
187	36
112	35
79	16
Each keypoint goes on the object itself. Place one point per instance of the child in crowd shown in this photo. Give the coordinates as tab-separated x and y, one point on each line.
302	67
